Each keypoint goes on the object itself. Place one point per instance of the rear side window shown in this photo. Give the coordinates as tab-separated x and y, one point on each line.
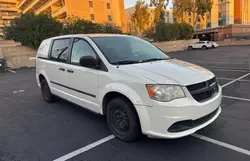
43	50
60	50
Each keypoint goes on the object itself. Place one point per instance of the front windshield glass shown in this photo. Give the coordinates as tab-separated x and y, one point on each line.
128	50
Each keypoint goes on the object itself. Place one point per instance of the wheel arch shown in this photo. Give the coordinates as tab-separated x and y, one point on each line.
109	97
42	75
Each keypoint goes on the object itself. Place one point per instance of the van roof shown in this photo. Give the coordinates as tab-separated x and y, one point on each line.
89	35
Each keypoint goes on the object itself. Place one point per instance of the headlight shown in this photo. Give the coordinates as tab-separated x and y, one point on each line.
165	93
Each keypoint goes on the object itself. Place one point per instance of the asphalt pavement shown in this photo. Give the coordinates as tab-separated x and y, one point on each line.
32	130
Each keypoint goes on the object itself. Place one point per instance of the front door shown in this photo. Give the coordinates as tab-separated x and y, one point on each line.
83	80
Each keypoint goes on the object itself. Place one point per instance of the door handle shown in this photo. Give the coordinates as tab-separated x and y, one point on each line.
70	71
62	69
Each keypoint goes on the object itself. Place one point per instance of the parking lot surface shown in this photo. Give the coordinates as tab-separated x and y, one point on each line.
32	130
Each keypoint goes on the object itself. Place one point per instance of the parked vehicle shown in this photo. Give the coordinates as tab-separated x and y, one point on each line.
137	87
214	44
200	45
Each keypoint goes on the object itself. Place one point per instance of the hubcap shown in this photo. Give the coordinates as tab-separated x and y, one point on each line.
120	119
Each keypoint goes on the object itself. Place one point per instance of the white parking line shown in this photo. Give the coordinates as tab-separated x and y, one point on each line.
231	82
237	98
229	70
18	91
225	145
12	71
86	148
229	79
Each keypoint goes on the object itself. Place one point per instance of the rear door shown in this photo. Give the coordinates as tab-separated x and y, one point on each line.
56	71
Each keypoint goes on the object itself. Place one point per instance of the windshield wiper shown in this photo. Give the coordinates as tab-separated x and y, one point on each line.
154	59
125	62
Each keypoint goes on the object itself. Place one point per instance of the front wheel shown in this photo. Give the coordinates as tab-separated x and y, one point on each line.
123	120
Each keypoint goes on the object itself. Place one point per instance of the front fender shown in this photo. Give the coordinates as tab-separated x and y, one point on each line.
123	89
139	100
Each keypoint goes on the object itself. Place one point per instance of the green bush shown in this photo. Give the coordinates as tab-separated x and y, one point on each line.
75	25
30	29
166	31
186	31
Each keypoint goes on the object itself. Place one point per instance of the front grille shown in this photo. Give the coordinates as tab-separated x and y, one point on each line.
205	90
189	124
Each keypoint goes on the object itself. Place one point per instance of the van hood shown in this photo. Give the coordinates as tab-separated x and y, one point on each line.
170	71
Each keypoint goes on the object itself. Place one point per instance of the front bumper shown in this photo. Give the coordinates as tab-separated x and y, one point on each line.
157	121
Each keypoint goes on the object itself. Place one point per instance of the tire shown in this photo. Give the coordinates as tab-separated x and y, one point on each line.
190	48
213	46
204	47
46	93
123	120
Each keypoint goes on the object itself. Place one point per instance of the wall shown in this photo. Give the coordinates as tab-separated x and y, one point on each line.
234	43
18	56
179	45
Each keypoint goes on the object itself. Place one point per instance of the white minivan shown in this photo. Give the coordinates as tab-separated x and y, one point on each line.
136	86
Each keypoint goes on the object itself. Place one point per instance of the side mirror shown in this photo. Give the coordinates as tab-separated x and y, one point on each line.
89	61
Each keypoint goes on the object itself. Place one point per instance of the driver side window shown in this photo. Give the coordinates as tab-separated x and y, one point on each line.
81	48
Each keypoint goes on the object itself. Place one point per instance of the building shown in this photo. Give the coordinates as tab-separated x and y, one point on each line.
130	11
227	20
169	18
8	11
95	10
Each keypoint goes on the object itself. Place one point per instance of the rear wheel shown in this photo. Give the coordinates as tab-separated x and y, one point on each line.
47	95
190	48
204	47
123	120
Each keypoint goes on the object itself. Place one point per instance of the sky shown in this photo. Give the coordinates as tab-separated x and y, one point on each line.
130	3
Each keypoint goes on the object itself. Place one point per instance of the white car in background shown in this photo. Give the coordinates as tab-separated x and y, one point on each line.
200	45
214	44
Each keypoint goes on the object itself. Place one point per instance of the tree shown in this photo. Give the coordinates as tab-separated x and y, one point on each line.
198	8
111	28
180	6
141	16
167	32
77	25
30	29
160	6
186	31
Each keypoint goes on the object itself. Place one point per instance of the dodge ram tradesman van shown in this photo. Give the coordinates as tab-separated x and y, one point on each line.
137	87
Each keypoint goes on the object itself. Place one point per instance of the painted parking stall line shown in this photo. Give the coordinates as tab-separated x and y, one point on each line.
229	79
237	98
12	71
84	149
235	80
225	145
226	69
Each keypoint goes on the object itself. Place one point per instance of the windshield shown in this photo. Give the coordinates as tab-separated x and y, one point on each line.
128	50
